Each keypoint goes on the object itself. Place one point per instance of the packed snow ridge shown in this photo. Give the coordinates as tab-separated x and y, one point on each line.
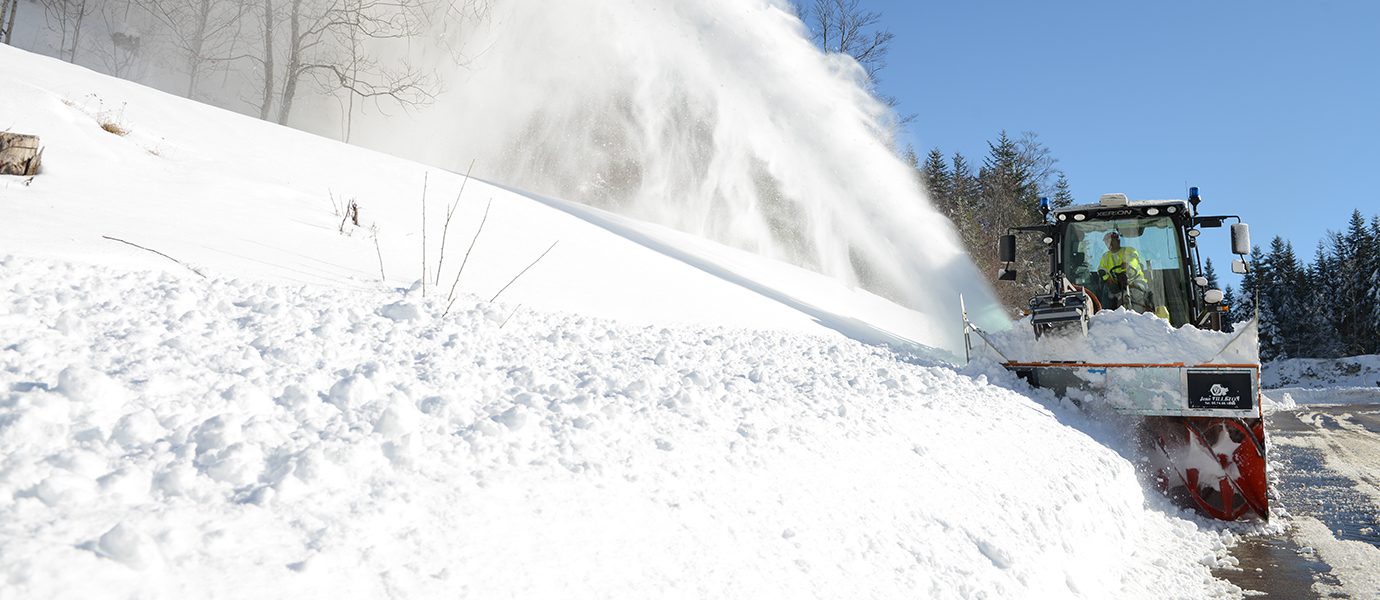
1122	336
166	436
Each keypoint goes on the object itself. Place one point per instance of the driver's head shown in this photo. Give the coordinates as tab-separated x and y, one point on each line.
1113	240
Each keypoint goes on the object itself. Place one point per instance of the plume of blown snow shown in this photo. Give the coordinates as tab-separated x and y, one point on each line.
715	117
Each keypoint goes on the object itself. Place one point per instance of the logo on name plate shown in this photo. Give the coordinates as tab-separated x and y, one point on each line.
1218	390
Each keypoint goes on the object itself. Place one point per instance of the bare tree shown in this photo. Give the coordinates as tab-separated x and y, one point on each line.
449	21
7	10
266	61
325	46
204	32
843	26
120	50
66	18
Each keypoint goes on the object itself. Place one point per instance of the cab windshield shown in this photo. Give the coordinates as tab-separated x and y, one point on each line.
1130	263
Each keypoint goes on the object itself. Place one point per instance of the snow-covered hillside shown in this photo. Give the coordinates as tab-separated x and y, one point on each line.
641	414
213	188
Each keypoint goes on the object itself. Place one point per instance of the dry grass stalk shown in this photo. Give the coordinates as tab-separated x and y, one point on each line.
189	267
424	181
450	297
445	230
375	231
521	273
115	128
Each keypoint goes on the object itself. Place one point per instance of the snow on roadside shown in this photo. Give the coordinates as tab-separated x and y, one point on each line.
1348	372
1293	382
1277	400
166	436
1352	563
1290	398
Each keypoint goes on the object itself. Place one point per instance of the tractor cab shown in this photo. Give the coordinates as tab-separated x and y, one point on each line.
1139	255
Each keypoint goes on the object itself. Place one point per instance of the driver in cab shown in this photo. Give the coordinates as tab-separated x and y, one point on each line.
1121	269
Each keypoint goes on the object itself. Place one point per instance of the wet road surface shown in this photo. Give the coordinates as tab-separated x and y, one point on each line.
1325	462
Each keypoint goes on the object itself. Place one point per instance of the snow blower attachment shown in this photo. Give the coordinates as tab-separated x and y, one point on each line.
1201	426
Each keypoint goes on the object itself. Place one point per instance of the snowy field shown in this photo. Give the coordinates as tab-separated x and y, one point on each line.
641	414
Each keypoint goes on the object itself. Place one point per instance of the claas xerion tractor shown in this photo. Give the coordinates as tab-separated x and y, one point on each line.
1201	425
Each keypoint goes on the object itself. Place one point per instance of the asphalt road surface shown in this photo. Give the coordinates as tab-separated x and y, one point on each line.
1327	461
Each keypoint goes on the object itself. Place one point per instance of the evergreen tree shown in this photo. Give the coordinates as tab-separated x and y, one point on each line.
1007	183
1374	284
1063	196
1320	333
1249	307
1272	292
1008	196
939	183
964	199
1210	274
1229	317
1355	261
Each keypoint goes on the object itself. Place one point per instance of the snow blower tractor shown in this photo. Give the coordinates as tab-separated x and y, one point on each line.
1201	427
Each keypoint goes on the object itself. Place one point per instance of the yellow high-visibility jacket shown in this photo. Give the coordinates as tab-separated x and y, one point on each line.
1126	258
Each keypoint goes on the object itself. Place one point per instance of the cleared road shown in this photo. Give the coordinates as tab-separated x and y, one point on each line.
1327	460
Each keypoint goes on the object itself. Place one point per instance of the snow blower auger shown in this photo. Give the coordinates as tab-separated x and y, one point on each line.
1201	423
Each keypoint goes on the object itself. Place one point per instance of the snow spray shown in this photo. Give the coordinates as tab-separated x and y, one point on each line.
715	117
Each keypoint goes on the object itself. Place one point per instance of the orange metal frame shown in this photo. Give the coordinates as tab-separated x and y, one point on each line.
1130	365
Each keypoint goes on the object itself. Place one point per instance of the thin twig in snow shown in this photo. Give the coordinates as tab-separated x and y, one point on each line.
380	253
189	267
510	315
450	297
534	263
424	178
446	228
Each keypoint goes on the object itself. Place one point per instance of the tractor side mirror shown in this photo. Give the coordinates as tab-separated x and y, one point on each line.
1238	266
1006	275
1212	296
1240	239
1006	249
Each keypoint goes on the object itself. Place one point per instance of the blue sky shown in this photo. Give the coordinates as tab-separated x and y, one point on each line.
1271	108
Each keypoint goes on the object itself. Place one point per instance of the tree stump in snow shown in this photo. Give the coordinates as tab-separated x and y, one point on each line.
19	154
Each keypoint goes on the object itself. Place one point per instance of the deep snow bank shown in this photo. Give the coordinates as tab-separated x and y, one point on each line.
165	436
1348	380
1348	372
